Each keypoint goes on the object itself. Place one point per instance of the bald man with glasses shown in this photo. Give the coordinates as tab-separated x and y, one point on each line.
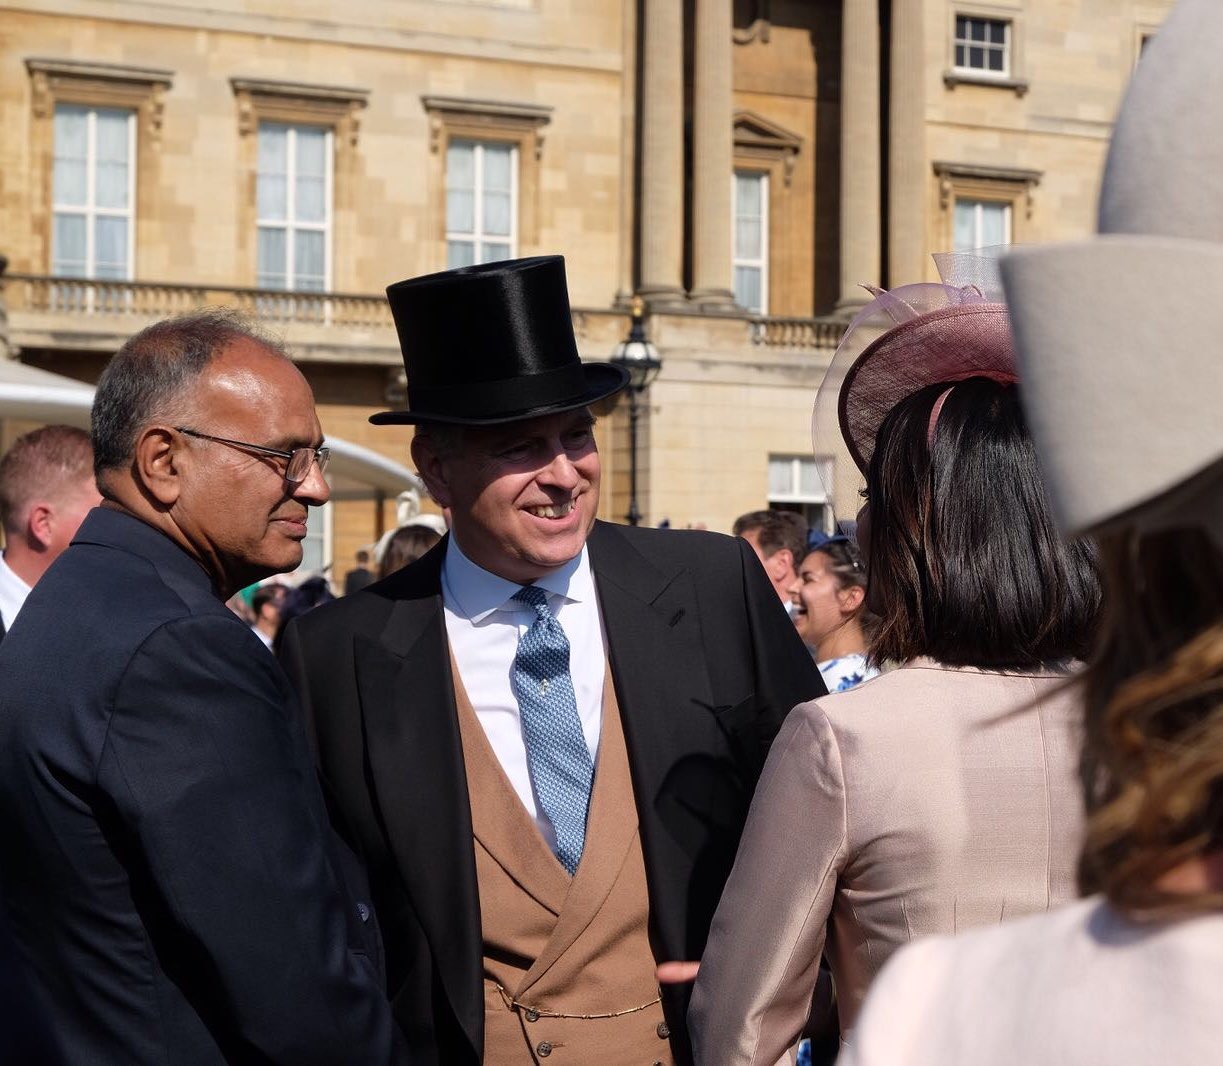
165	854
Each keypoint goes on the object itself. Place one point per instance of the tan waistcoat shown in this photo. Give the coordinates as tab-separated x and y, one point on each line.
568	970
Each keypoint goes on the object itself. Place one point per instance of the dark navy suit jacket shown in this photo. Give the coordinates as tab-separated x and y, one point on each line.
166	860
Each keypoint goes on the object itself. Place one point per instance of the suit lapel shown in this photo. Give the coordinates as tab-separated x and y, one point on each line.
416	761
658	667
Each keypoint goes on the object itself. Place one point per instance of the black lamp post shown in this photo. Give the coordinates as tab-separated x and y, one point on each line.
640	358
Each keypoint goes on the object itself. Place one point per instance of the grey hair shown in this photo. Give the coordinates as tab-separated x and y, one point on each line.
150	377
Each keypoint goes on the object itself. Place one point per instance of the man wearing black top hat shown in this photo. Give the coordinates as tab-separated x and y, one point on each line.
543	736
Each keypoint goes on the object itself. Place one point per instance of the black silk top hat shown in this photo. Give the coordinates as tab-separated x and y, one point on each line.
492	343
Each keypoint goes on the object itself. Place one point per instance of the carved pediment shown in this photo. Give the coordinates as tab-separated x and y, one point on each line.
758	137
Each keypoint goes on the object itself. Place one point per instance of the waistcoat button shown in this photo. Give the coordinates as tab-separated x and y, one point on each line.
544	1049
532	1015
663	1030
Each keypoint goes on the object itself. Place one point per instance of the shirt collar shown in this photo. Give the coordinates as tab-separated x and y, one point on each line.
13	592
474	593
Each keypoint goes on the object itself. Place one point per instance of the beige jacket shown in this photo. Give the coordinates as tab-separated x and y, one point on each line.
927	800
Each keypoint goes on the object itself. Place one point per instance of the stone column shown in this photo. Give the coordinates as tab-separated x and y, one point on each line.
860	155
712	156
662	154
907	175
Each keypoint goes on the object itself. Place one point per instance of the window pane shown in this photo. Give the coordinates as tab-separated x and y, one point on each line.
270	255
311	151
961	55
977	29
747	194
809	482
780	479
271	193
460	211
964	238
995	60
310	206
976	58
493	253
110	247
110	189
993	224
71	148
460	254
68	246
112	136
309	257
747	287
497	167
747	238
460	165
997	32
961	27
497	213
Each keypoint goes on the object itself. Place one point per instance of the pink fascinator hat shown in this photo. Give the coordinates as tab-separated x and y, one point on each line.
1120	338
904	340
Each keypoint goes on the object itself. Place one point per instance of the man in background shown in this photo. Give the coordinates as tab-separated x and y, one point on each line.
46	489
779	539
360	576
265	605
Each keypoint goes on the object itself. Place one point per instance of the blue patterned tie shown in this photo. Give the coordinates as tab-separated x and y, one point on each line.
557	756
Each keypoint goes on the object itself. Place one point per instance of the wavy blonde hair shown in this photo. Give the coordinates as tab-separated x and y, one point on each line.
1152	761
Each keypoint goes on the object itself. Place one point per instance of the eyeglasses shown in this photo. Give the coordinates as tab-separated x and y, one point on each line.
299	459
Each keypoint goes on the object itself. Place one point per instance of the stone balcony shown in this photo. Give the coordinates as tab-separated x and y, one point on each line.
88	315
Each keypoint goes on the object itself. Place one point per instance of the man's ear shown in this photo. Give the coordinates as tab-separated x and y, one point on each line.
40	523
432	469
157	464
780	564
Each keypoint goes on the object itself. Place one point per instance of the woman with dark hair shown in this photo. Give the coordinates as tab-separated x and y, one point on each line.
1128	975
941	795
829	611
407	544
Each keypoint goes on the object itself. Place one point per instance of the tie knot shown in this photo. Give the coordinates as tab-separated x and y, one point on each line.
533	596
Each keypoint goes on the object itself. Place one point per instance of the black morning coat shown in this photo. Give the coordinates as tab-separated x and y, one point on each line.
168	869
706	666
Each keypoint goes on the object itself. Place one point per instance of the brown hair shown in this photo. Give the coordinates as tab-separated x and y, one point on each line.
775	530
407	544
51	463
1152	763
964	562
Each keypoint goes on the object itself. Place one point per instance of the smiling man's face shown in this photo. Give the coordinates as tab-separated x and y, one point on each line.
522	496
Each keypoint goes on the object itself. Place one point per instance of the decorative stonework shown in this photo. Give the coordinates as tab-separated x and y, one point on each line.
141	89
995	183
260	99
485	119
756	138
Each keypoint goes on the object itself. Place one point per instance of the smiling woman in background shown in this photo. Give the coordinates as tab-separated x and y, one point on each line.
830	613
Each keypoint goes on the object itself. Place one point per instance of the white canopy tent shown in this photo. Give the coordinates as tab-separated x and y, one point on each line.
355	472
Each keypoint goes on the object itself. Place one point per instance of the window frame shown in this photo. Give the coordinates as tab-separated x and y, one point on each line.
90	210
453	118
1009	12
289	224
761	263
336	109
477	236
108	86
979	204
969	181
988	46
811	504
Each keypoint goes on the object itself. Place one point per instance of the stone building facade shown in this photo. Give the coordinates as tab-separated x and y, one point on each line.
743	165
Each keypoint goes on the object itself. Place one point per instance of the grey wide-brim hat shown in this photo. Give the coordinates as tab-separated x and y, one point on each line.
1120	338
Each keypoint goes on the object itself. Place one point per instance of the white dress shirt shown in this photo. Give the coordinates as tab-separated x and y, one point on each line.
484	626
13	592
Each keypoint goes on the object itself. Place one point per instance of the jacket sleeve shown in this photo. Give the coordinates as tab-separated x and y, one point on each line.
786	674
753	992
212	785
